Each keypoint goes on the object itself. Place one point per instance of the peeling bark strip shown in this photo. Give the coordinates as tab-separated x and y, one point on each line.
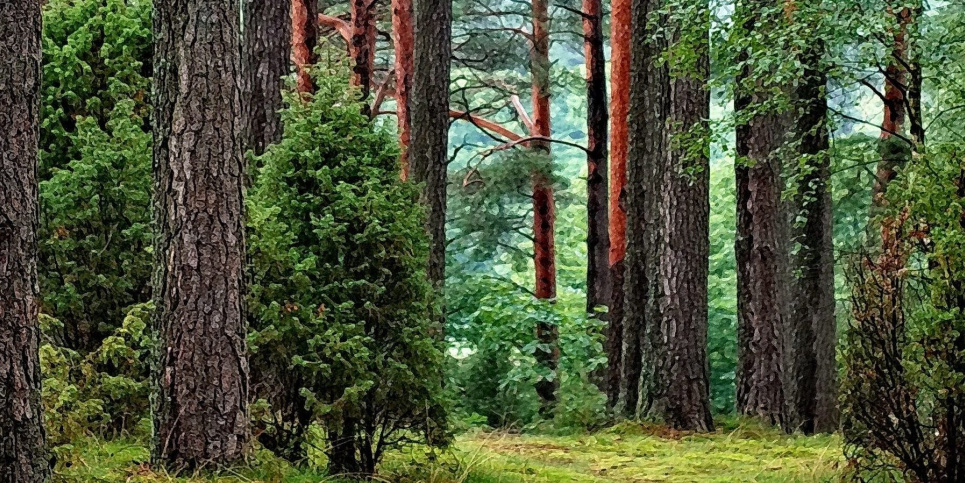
677	389
544	209
201	380
597	118
617	218
362	45
266	51
429	112
646	153
402	34
760	251
304	17
23	451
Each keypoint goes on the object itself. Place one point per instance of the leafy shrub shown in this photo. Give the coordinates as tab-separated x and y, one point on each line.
344	328
95	165
103	393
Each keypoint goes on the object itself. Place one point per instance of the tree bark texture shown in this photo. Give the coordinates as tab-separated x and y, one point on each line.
597	119
893	144
402	36
267	51
23	451
304	18
201	375
362	45
544	206
677	375
429	114
620	32
760	251
646	158
811	368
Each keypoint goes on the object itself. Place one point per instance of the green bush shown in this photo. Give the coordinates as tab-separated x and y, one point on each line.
95	165
344	324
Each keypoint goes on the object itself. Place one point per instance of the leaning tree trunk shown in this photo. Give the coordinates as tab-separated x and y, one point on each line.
23	451
266	52
201	378
402	36
677	390
759	247
645	161
544	209
597	118
304	18
617	219
811	330
429	114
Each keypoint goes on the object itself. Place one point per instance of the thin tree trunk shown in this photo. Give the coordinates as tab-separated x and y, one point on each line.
402	33
429	113
759	247
304	17
645	162
362	46
544	209
619	105
201	378
677	390
812	371
893	144
23	449
266	50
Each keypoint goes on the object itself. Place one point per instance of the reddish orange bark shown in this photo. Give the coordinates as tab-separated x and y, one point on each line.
896	81
362	45
304	39
619	110
337	24
402	33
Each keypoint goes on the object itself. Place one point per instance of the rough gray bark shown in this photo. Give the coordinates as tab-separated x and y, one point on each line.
645	162
676	385
759	248
266	51
429	114
201	375
812	339
23	451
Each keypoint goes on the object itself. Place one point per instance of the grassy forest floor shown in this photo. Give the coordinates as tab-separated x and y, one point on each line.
629	453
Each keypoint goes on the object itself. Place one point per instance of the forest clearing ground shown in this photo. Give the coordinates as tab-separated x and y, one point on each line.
626	453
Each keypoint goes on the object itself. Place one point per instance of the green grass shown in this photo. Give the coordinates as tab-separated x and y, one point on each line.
628	453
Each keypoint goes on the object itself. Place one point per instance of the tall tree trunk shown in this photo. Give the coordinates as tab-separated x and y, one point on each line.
23	450
893	144
304	17
759	248
811	371
619	105
597	118
544	209
429	113
677	390
645	161
266	50
201	378
362	46
402	33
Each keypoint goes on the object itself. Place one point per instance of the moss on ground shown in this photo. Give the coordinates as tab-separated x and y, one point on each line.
627	453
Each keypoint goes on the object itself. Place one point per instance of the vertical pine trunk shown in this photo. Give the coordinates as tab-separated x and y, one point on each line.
402	35
429	114
646	158
304	18
362	45
544	209
619	106
811	371
597	118
201	378
759	248
266	51
23	451
894	150
677	390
